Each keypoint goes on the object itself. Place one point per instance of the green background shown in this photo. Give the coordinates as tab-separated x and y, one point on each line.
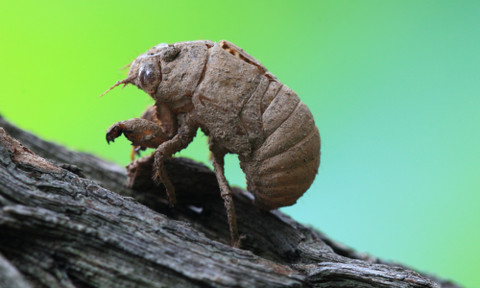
393	85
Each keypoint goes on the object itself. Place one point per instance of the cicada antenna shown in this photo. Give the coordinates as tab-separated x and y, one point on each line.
124	81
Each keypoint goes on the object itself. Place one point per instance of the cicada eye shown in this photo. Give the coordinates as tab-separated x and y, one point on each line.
149	77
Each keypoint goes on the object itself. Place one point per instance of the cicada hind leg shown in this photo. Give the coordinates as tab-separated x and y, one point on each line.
218	154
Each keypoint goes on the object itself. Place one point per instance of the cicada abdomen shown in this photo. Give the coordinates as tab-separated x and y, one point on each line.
284	166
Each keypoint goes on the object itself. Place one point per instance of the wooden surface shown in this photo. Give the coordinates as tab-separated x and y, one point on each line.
69	221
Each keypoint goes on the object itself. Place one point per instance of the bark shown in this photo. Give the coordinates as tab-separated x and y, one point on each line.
68	220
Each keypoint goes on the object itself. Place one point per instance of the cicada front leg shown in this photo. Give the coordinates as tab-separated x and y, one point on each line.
140	132
185	135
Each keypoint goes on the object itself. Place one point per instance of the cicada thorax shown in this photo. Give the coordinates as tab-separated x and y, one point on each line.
248	111
182	76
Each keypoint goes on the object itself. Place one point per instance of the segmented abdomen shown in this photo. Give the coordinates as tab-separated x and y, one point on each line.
244	108
284	166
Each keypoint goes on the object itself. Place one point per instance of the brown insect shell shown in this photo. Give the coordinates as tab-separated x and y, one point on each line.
245	109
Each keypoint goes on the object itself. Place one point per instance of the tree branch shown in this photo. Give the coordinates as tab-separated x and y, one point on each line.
62	226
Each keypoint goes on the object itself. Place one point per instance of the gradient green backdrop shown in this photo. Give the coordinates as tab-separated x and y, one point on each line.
394	87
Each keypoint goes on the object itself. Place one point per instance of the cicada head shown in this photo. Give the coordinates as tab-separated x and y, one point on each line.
145	70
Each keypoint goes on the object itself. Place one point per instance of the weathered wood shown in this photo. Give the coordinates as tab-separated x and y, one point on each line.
62	226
